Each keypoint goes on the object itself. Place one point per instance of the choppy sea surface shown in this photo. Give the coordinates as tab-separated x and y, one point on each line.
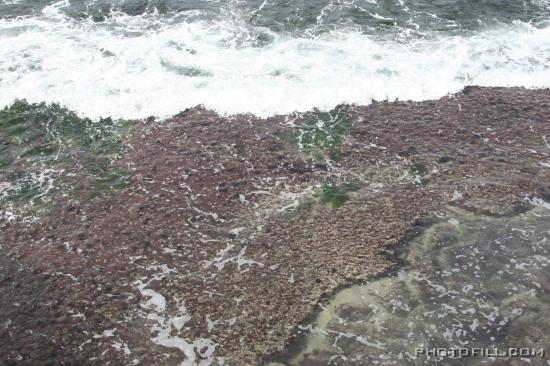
137	58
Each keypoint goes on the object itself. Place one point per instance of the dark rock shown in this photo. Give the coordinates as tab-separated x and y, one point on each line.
411	150
544	193
320	166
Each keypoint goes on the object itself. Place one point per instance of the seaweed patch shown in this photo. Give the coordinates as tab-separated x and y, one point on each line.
44	146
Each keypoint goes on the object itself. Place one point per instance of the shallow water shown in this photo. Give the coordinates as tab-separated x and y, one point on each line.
136	58
470	282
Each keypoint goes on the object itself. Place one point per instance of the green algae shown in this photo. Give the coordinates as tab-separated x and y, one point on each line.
420	173
5	156
47	151
30	124
321	134
337	195
418	169
26	188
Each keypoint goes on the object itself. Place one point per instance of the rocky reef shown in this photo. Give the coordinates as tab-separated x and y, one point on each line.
205	240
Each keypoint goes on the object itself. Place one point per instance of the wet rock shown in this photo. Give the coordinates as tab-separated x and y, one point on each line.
299	167
81	235
293	250
544	193
411	150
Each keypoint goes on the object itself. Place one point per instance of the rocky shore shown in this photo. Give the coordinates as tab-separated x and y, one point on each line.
224	233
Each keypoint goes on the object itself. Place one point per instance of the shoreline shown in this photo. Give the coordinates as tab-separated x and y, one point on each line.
232	229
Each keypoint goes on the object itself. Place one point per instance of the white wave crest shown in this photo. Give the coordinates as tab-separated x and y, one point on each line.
139	66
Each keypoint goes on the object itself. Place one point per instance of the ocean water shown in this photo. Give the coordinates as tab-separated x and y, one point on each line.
470	281
137	58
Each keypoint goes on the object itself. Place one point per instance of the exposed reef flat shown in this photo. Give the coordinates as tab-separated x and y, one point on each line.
227	232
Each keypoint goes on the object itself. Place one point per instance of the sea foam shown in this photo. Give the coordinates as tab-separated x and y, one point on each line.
149	65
